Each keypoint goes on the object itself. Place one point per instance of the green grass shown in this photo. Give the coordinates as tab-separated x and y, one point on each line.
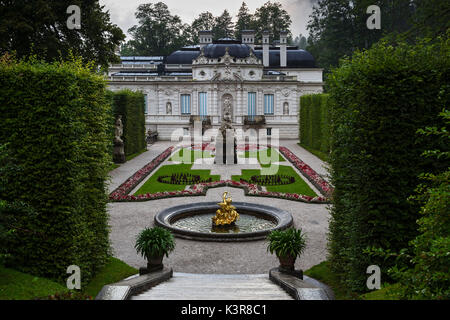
191	157
114	166
263	153
323	273
299	186
134	155
15	285
152	185
319	154
114	271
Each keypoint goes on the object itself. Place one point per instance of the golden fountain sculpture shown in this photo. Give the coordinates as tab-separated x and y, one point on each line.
227	214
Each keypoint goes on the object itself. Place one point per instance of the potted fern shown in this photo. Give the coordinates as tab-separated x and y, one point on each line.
287	245
153	244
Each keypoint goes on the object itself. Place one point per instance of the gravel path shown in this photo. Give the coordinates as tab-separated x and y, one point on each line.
127	219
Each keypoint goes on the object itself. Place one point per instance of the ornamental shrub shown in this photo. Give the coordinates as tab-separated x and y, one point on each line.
380	98
314	126
428	277
56	122
130	105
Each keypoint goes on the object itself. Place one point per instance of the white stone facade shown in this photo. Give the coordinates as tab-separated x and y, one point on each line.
220	77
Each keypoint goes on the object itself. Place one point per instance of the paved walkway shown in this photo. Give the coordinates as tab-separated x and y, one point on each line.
127	219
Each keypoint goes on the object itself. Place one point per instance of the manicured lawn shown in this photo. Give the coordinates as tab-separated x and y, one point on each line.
190	155
152	185
299	186
114	271
15	285
265	155
323	273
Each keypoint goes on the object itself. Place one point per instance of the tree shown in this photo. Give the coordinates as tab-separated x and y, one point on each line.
300	41
338	27
205	21
272	17
40	27
244	21
431	17
158	32
223	26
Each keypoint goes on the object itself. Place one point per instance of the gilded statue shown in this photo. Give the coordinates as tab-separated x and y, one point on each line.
227	214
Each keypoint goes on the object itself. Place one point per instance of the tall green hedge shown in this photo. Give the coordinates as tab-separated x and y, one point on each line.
380	98
130	105
56	122
314	122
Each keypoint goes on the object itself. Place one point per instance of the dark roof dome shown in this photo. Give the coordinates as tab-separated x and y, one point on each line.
182	57
295	58
235	49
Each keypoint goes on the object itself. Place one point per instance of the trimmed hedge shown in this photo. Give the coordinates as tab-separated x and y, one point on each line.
130	105
56	122
314	122
380	98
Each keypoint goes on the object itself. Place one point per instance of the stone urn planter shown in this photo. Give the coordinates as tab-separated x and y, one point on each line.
153	244
287	245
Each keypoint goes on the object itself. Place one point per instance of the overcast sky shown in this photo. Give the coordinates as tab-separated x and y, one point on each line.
122	11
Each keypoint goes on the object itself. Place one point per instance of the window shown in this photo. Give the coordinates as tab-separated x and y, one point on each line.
203	104
268	104
251	105
269	131
145	103
185	104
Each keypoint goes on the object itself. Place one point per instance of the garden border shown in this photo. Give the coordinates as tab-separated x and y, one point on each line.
121	194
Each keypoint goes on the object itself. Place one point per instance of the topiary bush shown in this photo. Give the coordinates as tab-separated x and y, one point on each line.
56	122
380	98
130	105
314	122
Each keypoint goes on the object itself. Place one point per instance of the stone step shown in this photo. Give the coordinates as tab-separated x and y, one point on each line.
184	286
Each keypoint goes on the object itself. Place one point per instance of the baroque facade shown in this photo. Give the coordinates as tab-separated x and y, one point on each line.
260	86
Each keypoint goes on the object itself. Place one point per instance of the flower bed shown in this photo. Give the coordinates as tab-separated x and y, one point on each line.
321	184
141	174
200	189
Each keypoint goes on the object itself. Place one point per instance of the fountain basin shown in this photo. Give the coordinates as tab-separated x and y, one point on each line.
193	221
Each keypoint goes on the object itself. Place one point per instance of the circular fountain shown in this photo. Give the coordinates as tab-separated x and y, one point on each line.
198	221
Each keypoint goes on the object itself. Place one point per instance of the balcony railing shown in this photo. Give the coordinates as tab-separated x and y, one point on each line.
256	120
206	120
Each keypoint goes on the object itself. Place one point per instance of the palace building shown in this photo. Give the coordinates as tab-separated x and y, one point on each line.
263	83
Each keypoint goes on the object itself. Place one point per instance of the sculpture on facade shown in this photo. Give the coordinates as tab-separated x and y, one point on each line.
119	152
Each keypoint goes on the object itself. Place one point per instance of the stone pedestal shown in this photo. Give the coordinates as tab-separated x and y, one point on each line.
119	152
226	150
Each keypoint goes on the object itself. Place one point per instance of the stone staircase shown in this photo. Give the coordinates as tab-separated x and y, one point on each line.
187	286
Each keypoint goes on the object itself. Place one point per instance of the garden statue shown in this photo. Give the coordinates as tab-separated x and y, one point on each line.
226	154
119	152
227	214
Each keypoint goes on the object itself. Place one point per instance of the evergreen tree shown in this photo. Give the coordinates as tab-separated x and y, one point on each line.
223	26
244	21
